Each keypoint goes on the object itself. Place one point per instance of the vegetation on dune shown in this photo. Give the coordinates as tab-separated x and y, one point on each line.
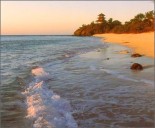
140	23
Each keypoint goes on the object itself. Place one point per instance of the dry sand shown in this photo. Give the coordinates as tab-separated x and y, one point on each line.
141	43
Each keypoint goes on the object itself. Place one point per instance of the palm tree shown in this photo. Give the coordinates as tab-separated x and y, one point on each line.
139	17
149	15
149	20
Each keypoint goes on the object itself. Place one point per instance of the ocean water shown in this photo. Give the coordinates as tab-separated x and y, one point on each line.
73	82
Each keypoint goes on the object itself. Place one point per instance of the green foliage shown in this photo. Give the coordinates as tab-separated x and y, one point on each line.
140	23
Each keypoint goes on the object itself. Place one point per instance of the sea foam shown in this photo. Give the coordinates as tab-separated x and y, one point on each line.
45	108
118	75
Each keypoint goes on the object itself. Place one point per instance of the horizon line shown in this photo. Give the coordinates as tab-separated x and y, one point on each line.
34	35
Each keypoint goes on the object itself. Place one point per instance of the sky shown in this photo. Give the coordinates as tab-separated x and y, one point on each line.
63	17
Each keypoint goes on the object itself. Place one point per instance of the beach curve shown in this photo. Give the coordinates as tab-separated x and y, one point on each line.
142	43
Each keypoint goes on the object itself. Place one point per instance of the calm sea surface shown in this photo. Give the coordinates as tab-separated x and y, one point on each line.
86	84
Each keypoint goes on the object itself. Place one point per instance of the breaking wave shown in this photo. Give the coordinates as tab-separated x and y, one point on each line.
45	108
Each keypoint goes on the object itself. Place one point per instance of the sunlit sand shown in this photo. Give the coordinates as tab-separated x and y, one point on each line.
141	43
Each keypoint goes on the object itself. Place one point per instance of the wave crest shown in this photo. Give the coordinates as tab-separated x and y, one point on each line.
45	108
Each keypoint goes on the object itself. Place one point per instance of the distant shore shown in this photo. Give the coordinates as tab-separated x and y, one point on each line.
142	43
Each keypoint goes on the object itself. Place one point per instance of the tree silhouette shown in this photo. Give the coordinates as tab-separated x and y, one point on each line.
149	15
140	23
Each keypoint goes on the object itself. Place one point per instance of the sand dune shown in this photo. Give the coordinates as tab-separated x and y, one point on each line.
142	43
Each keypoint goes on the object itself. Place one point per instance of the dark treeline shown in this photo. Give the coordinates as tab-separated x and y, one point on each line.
140	23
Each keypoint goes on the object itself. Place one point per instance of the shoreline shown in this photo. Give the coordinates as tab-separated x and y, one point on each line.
142	43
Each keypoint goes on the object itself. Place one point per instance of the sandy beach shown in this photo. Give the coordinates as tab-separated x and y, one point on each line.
141	43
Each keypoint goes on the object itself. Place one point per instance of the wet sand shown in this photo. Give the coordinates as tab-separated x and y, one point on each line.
140	43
